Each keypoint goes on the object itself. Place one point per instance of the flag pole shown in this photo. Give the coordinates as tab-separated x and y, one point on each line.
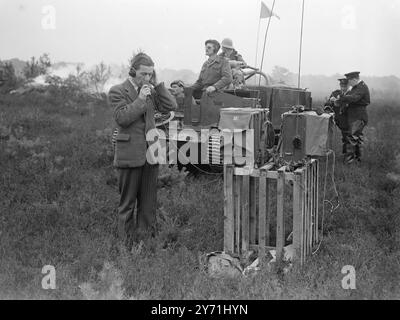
258	36
265	40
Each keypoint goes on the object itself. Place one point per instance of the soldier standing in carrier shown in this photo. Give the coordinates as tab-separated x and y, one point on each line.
134	102
340	110
215	73
358	98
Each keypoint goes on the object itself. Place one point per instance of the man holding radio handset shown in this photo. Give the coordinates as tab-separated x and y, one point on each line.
135	102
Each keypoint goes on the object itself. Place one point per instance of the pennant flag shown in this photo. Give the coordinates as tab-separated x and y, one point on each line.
266	13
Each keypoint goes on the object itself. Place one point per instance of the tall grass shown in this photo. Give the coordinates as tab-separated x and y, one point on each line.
58	199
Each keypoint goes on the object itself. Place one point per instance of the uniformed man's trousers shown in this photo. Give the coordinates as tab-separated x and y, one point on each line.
355	139
137	187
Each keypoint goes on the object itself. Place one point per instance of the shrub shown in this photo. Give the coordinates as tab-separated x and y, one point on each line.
36	67
8	79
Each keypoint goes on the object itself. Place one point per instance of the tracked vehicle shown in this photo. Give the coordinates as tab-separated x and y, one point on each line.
205	114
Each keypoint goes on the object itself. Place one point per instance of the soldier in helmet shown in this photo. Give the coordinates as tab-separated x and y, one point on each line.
228	51
358	98
236	62
340	110
215	73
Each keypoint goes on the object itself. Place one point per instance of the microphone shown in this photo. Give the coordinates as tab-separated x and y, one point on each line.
152	89
147	85
152	94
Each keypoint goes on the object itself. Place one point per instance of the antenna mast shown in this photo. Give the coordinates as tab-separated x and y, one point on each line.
301	44
265	40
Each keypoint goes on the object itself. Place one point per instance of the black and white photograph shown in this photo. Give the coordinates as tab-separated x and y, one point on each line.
197	158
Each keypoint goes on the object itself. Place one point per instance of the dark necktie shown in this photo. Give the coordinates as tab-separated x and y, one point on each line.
149	114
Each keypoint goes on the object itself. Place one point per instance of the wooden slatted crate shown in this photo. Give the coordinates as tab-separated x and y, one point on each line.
248	209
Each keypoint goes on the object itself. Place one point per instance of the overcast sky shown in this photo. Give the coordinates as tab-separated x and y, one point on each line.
339	35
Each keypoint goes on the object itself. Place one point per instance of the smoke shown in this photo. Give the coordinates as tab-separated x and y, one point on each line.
59	71
119	73
40	81
112	82
64	70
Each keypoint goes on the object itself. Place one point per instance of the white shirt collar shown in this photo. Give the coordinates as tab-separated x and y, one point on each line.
133	83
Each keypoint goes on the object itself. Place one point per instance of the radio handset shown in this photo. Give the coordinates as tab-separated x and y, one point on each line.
153	91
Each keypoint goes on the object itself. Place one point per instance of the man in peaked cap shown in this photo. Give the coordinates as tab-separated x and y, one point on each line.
340	110
358	98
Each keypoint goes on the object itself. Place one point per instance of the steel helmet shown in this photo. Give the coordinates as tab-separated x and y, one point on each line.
227	43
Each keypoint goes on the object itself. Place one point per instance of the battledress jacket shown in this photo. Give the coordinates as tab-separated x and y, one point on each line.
334	94
215	73
339	106
133	119
358	98
233	56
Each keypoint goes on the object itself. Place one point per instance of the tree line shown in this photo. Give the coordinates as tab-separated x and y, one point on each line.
79	82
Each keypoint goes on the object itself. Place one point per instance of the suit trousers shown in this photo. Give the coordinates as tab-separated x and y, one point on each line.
137	187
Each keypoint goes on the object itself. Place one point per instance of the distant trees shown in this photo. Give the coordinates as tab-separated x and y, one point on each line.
8	77
98	77
82	83
73	87
7	72
36	67
281	75
77	85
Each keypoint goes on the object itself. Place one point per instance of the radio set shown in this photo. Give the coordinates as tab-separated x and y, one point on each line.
306	134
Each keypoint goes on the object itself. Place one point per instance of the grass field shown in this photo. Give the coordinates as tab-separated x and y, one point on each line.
58	199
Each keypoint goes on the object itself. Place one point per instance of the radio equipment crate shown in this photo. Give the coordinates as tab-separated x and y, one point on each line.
248	209
252	134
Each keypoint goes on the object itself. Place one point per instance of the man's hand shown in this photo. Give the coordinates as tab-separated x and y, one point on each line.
237	64
211	89
145	92
333	99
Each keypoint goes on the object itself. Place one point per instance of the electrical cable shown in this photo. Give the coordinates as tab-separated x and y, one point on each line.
333	180
323	204
324	200
209	182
